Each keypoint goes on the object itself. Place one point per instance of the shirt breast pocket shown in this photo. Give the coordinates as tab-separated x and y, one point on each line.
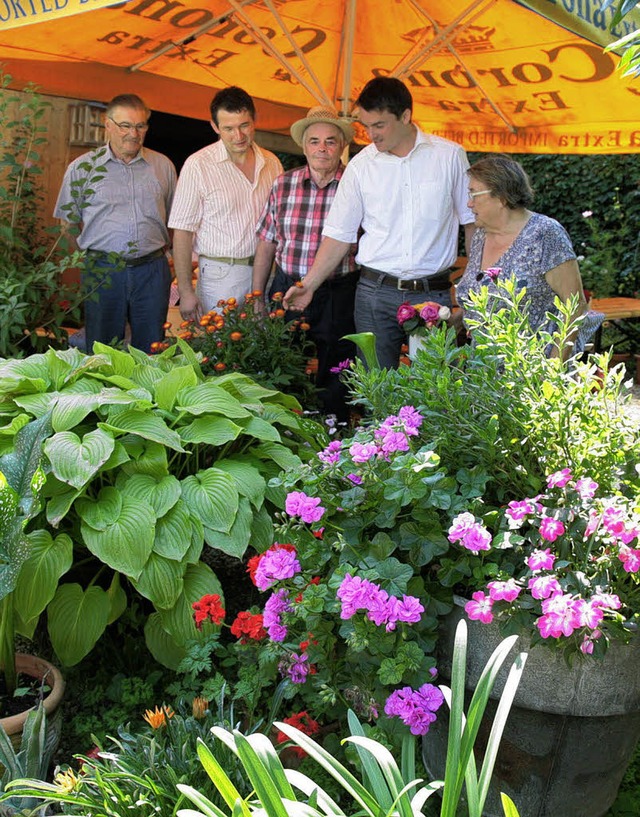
434	203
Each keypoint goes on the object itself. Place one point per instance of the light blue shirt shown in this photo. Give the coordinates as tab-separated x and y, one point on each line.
128	209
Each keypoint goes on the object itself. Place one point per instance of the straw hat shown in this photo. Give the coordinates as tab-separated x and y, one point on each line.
321	113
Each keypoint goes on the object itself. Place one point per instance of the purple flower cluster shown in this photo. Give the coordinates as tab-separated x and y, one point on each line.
275	606
296	666
331	454
308	508
381	608
415	707
470	534
276	564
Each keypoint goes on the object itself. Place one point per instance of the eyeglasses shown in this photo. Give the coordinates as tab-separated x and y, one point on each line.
141	127
478	193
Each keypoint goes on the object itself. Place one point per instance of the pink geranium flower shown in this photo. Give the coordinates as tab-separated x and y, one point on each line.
479	608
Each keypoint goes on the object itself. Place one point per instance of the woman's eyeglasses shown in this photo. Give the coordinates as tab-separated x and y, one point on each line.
478	193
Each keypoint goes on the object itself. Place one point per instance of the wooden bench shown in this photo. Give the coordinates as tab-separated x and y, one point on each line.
614	309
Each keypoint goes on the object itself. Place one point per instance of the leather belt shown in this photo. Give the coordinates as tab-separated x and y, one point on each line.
432	283
241	262
128	262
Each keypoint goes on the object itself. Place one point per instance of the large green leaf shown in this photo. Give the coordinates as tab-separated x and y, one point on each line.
237	540
126	544
104	513
146	457
174	532
167	388
282	456
20	466
76	461
144	424
35	404
48	560
161	494
209	398
71	407
212	496
260	429
249	481
16	423
160	581
161	645
118	361
211	430
117	598
199	581
261	530
76	620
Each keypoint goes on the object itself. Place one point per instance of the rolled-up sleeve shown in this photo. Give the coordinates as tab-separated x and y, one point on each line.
347	211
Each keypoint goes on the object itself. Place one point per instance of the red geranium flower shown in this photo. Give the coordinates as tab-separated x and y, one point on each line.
305	723
208	608
248	626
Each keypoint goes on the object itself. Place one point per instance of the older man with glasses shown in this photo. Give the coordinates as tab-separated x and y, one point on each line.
121	206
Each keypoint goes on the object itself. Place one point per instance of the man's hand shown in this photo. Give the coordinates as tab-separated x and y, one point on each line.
297	298
190	306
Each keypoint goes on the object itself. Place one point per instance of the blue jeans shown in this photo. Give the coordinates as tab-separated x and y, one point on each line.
375	311
137	295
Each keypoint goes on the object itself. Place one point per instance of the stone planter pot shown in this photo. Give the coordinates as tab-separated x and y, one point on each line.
415	342
571	732
38	668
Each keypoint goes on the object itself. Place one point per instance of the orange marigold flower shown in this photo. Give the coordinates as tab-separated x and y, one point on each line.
209	607
166	325
220	322
158	717
305	327
277	296
235	336
184	324
242	316
220	367
280	313
257	293
232	301
211	328
199	707
205	320
185	335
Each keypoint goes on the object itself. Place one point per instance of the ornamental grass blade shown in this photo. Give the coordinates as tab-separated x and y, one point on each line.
390	772
370	768
343	776
454	773
499	722
311	789
423	794
268	756
508	806
219	777
207	808
260	778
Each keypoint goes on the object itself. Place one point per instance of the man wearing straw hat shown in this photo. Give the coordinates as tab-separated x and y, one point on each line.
290	231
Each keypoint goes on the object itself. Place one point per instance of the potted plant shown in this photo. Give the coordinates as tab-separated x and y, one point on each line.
417	319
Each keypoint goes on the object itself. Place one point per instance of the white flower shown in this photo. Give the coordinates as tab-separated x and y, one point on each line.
587	214
444	313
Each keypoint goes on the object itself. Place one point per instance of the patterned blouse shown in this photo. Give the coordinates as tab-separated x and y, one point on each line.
541	245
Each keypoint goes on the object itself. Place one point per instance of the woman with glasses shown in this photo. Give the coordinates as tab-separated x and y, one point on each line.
513	241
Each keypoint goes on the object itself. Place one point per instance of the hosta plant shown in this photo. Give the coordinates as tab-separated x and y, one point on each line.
148	461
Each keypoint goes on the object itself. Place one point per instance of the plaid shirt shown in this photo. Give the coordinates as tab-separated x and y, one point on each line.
293	218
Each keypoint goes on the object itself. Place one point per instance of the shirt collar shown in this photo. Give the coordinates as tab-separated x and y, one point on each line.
306	175
110	156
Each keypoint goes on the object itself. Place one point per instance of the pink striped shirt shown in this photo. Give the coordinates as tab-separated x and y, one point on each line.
217	202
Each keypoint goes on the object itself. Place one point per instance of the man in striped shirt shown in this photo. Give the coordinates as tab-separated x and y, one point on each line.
290	232
220	195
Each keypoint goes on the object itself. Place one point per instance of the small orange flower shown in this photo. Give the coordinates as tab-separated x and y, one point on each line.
232	301
185	335
235	336
242	316
158	717
305	327
199	707
299	284
272	314
211	328
257	293
155	346
220	323
220	367
205	320
221	302
277	296
184	324
280	313
166	325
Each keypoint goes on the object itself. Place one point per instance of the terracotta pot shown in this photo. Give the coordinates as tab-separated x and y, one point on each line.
38	668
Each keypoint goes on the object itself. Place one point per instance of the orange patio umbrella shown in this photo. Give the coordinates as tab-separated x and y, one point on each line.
493	75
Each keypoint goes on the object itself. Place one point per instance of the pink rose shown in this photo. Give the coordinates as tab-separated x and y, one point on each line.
405	313
430	313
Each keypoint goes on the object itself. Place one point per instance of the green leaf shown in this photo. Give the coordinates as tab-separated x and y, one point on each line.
162	494
366	342
76	620
75	461
104	513
162	647
281	455
48	561
126	544
236	541
211	430
173	533
145	425
160	581
212	496
248	479
209	398
167	388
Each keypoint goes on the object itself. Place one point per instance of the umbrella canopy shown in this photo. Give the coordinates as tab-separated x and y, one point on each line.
493	75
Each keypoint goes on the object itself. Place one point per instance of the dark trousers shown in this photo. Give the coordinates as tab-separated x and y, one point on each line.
137	295
330	316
